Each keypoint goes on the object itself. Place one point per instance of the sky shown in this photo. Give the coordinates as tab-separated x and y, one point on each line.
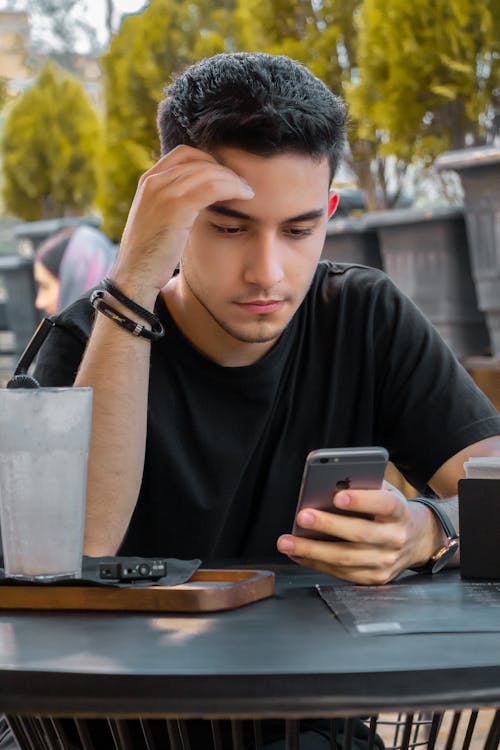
94	11
91	11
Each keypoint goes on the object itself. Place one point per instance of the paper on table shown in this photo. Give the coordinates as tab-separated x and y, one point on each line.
405	607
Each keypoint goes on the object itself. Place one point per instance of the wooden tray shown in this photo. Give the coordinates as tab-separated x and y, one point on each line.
206	591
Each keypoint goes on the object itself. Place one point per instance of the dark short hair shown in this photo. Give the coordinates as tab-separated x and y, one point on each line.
261	103
51	251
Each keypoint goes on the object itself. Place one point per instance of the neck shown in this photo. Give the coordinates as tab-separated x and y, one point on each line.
204	333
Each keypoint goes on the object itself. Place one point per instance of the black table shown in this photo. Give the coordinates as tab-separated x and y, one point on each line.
287	656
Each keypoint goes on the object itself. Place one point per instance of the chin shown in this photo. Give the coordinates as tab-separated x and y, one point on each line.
257	335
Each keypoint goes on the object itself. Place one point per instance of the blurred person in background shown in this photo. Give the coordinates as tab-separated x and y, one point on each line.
69	263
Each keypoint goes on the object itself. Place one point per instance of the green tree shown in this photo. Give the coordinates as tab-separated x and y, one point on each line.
50	149
168	36
427	75
3	92
323	35
369	50
337	40
142	58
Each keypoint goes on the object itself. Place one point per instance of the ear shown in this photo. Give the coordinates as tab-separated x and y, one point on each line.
333	202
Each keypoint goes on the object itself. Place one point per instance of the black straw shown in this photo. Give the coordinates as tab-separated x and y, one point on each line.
21	379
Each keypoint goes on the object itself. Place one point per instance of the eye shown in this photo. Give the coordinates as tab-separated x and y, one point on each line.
227	230
298	232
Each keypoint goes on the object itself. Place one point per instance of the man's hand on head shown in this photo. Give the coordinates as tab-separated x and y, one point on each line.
372	551
168	199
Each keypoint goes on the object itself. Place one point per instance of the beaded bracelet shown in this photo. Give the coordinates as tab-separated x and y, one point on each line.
137	329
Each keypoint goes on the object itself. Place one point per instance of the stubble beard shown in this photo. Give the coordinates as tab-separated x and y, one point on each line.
258	337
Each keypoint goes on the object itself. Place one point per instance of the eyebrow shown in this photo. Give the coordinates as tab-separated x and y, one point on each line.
234	214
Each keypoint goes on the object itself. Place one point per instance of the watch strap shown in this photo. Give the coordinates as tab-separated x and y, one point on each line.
440	514
439	559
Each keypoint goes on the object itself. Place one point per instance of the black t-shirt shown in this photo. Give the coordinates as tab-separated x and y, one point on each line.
357	365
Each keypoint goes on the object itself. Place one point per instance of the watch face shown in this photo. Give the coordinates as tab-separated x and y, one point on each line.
443	556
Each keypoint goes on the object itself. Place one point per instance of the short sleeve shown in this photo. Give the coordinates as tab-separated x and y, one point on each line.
428	407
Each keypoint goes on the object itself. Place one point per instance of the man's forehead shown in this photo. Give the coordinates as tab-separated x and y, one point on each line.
288	186
227	155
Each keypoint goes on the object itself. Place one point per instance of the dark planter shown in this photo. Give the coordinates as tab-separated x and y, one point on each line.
30	234
425	252
351	241
479	171
21	316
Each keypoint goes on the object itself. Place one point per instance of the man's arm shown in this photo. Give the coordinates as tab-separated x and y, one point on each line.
168	200
116	365
402	534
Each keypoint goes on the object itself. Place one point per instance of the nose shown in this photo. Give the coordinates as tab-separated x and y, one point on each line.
264	262
39	300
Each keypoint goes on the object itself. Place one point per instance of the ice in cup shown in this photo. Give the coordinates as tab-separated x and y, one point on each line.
482	467
44	444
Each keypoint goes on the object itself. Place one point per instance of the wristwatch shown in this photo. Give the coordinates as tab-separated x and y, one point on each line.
442	555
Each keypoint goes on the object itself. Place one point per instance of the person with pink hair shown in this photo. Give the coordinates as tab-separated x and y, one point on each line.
70	263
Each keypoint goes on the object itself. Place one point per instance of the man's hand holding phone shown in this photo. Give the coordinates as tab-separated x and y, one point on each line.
361	535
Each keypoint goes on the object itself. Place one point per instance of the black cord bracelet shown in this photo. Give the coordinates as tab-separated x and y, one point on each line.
137	329
129	303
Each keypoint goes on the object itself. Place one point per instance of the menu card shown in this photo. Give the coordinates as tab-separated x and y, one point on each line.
438	606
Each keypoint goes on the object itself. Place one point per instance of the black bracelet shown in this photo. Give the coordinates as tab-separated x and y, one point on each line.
130	304
137	329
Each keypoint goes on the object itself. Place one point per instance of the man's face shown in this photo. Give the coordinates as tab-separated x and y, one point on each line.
247	265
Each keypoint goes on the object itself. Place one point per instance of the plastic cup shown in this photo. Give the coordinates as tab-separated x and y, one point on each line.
482	467
44	444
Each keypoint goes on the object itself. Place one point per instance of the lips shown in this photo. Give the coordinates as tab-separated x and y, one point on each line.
261	307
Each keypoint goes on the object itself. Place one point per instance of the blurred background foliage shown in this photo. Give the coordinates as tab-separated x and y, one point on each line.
50	147
419	78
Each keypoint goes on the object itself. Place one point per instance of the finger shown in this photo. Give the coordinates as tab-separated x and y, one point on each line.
347	527
185	155
341	554
378	503
357	563
363	576
202	185
211	180
178	155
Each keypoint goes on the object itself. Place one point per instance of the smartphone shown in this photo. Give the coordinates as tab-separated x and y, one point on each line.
329	470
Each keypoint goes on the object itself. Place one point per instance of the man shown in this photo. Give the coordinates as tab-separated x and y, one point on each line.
199	438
